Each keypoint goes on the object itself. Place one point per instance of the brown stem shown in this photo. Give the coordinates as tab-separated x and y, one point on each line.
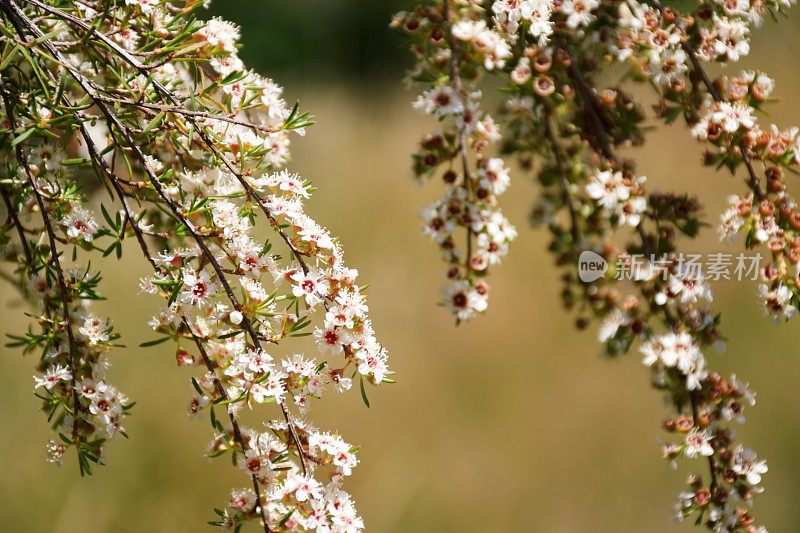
56	264
458	85
753	181
593	109
561	159
12	212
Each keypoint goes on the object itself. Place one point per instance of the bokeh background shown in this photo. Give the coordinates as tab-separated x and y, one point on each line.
510	423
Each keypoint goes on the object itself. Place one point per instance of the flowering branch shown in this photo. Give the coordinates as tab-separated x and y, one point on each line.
726	119
557	119
76	408
446	64
208	137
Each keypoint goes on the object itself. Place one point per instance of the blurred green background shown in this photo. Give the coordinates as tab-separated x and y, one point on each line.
509	423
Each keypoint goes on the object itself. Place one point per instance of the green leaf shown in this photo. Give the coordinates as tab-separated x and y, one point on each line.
9	58
286	518
196	386
156	122
23	136
154	342
364	393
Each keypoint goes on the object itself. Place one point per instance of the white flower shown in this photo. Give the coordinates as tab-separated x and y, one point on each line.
777	302
463	300
80	224
688	286
242	499
731	221
630	211
372	364
697	443
440	101
537	13
254	290
608	189
94	329
197	287
676	350
724	117
329	339
52	377
487	42
219	33
312	286
304	488
273	389
731	38
287	182
745	463
437	226
611	324
494	176
579	12
254	463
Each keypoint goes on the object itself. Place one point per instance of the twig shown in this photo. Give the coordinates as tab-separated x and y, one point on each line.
455	77
56	264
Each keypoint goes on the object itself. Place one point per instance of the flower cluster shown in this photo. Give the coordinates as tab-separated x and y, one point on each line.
767	215
45	212
678	351
302	502
722	113
619	196
190	145
558	120
456	44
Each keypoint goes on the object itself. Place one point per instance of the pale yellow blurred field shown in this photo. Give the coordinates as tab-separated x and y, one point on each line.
510	423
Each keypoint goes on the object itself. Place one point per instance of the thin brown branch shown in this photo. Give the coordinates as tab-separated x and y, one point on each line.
56	265
458	85
593	109
561	165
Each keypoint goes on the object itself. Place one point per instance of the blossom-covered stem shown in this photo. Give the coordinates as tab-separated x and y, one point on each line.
608	153
99	161
99	101
237	432
455	78
128	58
560	159
550	53
124	132
208	255
592	106
139	233
453	40
56	265
753	180
246	324
202	157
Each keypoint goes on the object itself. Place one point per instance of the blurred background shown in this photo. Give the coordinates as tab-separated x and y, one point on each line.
510	423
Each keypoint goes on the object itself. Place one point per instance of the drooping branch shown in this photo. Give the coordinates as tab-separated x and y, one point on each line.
201	140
